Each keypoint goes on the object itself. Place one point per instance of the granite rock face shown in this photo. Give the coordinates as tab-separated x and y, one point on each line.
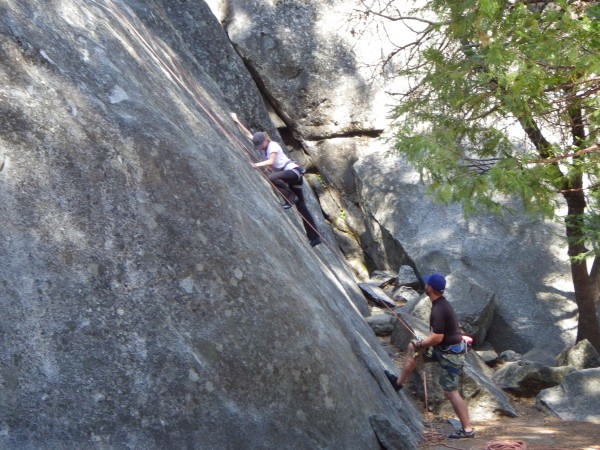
300	47
153	294
319	79
577	397
516	263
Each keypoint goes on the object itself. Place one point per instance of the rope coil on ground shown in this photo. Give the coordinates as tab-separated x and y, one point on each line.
502	445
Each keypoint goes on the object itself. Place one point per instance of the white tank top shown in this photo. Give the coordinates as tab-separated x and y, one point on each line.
282	162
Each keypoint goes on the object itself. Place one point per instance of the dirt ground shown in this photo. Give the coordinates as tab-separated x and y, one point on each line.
532	429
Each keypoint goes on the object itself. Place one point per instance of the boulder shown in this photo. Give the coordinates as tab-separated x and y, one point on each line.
391	437
487	353
528	378
383	279
525	282
154	281
539	353
382	324
485	398
347	222
421	309
377	295
334	157
408	278
509	356
473	304
318	63
406	295
577	397
582	355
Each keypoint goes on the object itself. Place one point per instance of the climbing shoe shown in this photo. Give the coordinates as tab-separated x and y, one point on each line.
289	202
315	241
394	380
462	434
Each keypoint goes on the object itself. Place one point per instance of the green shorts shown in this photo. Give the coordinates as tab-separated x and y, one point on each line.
451	365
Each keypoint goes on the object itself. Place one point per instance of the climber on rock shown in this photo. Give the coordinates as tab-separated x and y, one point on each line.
287	176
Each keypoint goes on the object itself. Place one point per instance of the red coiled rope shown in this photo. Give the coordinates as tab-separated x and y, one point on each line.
502	445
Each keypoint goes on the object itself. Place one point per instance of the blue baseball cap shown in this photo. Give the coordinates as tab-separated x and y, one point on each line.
436	281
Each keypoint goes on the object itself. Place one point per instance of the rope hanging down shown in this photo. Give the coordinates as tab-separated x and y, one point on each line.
183	81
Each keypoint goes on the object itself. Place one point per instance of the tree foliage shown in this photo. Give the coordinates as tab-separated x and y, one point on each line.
503	101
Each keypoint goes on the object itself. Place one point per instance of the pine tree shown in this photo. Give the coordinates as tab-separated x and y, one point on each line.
481	69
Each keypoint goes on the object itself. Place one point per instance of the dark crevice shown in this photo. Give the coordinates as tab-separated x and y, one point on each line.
291	139
348	134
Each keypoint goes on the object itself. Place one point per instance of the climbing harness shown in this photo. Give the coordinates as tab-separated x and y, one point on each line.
177	74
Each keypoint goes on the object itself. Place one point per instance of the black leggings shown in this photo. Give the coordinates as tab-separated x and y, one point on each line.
289	183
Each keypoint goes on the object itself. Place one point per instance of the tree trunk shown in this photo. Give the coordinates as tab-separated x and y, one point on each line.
586	288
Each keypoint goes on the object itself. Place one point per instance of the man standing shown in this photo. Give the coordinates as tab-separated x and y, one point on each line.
448	350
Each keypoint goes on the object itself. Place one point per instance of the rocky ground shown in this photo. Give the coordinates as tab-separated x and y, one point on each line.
532	429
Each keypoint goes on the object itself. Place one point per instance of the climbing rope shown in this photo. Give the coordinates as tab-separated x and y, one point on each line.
182	80
426	399
433	437
502	445
177	74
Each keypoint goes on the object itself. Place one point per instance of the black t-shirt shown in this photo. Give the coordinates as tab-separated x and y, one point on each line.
443	321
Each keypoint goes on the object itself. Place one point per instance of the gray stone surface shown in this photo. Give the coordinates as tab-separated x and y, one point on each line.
577	398
582	355
153	293
518	261
528	378
487	353
148	270
382	324
390	437
474	305
406	295
331	95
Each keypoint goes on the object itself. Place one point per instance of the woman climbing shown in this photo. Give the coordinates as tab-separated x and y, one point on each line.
287	176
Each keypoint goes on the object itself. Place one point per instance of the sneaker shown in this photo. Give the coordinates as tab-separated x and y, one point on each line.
315	241
290	202
462	434
393	379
